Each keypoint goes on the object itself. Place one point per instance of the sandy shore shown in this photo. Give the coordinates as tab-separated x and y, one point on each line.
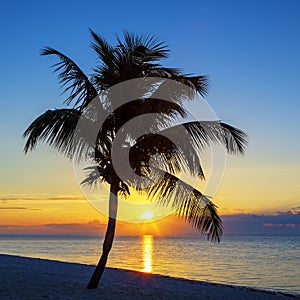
31	278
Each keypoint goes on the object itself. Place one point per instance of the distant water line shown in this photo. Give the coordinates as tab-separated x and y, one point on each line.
271	263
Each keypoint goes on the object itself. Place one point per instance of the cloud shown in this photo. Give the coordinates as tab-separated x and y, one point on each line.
288	213
94	223
280	225
18	208
283	223
295	209
93	227
5	199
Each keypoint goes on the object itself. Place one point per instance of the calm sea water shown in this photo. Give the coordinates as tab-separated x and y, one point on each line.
271	263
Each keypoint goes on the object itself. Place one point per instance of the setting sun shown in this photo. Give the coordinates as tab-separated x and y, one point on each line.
147	215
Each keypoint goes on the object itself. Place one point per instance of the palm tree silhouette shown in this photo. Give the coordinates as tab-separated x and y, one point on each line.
136	57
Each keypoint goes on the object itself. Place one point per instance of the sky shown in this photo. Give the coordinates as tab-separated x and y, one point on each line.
250	51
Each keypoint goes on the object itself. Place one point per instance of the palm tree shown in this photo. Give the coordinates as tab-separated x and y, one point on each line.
135	57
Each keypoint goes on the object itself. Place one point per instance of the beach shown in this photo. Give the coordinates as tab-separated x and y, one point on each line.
32	278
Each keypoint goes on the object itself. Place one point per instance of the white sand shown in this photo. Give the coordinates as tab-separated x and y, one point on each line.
31	278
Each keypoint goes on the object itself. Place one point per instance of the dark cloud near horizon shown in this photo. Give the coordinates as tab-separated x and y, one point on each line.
296	208
90	223
93	227
18	208
284	223
5	199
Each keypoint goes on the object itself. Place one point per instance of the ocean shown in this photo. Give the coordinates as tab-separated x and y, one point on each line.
270	263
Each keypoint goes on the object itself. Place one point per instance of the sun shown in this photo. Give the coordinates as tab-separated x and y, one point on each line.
147	215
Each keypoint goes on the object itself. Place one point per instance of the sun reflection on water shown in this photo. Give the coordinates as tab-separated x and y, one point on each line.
147	253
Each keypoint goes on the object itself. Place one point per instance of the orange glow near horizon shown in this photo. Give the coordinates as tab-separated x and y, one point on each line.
57	203
59	207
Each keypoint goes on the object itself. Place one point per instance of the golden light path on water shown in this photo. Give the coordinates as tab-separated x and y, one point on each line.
147	253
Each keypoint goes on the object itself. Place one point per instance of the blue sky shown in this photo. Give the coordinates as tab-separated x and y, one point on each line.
249	49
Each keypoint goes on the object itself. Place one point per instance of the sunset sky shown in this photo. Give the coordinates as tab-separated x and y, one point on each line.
250	51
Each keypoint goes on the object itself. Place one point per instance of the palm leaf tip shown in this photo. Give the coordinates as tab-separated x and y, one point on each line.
236	140
215	228
203	218
145	47
72	79
29	145
204	132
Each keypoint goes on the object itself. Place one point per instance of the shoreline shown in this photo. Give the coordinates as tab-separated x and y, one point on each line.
35	278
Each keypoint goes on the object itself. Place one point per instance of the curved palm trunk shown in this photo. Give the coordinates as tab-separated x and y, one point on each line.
108	240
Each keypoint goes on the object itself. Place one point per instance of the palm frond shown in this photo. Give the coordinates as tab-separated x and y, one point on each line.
173	153
199	83
179	147
103	49
236	139
97	174
138	56
189	203
56	128
145	47
165	112
76	83
195	83
204	132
